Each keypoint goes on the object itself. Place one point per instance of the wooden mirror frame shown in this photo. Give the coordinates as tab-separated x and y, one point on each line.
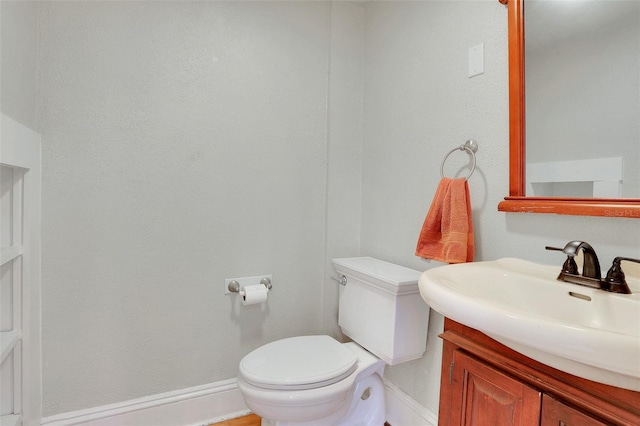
517	201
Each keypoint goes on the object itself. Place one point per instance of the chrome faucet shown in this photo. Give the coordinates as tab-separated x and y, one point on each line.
591	275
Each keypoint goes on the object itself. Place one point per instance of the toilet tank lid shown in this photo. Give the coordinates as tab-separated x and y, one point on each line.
389	273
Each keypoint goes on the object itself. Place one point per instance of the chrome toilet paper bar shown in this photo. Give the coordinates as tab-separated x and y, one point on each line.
234	286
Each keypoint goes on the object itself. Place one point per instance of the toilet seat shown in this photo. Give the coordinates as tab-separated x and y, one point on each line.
298	363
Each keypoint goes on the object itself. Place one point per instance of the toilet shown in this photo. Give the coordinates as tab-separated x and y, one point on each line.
318	381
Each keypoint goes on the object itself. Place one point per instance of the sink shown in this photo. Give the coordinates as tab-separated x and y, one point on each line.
583	331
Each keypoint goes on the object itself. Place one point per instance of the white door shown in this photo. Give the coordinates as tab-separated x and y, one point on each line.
20	369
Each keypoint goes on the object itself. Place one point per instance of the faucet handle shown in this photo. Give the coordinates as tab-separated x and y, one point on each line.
553	248
570	266
615	276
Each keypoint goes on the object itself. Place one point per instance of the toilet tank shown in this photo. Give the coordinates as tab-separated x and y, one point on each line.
381	308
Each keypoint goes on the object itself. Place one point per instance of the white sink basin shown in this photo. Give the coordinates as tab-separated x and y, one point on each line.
586	332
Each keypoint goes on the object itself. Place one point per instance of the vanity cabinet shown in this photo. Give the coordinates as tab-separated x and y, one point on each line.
485	383
555	413
486	396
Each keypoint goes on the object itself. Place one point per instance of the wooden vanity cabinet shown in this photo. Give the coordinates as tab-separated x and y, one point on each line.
490	397
555	413
485	383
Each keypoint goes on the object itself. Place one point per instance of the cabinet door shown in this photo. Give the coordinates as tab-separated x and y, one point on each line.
482	395
555	413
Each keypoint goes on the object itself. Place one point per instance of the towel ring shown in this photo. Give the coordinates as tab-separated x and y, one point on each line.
471	147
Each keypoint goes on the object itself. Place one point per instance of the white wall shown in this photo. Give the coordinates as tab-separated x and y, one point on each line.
419	104
184	143
344	165
189	142
18	56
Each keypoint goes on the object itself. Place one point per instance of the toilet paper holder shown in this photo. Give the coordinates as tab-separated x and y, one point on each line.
234	285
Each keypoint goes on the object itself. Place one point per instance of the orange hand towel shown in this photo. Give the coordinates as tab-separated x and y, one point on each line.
447	232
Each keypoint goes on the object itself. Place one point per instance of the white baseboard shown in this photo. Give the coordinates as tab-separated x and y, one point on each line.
402	410
196	406
211	403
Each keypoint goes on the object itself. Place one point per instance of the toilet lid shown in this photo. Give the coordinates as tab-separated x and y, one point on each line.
303	362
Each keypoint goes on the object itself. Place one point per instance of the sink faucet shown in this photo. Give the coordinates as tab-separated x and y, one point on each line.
590	264
591	275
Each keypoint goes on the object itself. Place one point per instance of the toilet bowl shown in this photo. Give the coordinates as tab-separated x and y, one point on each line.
335	385
318	381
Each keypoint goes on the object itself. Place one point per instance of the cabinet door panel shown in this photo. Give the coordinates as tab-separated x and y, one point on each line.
555	413
483	396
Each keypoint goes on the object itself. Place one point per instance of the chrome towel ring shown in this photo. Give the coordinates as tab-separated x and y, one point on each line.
471	147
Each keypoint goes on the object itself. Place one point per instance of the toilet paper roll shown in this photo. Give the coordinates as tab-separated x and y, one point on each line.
254	294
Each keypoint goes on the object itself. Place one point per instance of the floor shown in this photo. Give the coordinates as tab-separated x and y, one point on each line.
250	420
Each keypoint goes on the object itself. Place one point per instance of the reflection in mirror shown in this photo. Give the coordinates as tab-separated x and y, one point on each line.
592	168
582	85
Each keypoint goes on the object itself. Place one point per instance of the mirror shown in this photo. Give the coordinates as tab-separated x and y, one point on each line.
580	170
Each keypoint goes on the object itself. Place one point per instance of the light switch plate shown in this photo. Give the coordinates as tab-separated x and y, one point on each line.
476	60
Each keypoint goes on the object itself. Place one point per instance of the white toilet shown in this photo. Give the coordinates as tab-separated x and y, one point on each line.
317	381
